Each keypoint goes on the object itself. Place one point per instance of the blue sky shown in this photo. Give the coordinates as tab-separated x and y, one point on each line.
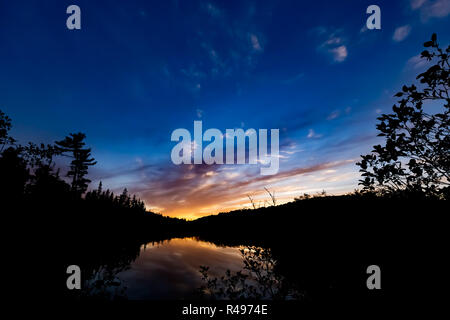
137	70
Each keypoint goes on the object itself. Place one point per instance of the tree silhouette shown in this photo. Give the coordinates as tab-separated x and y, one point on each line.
81	160
416	154
45	182
14	175
5	126
42	155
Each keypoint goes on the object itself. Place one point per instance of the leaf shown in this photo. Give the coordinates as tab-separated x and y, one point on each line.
425	54
428	44
433	37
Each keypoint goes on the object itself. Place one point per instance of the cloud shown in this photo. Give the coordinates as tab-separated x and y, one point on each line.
417	62
295	78
192	191
333	115
244	43
440	8
431	9
313	135
256	45
218	65
213	10
401	33
320	30
98	174
340	144
193	72
339	53
334	43
197	190
415	4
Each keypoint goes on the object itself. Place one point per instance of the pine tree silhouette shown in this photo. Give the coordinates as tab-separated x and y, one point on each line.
74	144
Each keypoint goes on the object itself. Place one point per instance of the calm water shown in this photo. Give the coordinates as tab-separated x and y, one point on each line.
170	269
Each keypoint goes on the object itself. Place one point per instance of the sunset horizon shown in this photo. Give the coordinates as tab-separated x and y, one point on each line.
322	83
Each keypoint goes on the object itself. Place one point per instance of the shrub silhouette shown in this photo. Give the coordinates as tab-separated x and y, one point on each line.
257	280
416	156
5	126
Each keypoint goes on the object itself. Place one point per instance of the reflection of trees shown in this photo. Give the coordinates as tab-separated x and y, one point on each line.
259	279
103	265
104	284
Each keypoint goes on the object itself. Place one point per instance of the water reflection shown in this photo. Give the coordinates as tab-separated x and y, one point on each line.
170	269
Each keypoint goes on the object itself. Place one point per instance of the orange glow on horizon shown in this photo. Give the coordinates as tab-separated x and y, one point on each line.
198	195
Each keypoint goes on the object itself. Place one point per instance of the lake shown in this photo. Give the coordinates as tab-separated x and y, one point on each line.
170	269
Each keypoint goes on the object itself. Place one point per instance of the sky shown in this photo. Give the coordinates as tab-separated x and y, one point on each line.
138	70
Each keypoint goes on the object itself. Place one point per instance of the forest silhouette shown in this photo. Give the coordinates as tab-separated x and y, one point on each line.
322	243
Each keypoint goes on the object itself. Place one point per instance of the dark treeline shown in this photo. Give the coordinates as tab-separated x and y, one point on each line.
31	181
69	225
324	244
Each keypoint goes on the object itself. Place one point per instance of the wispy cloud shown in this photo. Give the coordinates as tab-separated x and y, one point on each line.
431	9
439	8
401	33
295	78
333	115
416	62
334	44
244	43
256	45
313	135
363	29
339	53
197	190
415	4
212	9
